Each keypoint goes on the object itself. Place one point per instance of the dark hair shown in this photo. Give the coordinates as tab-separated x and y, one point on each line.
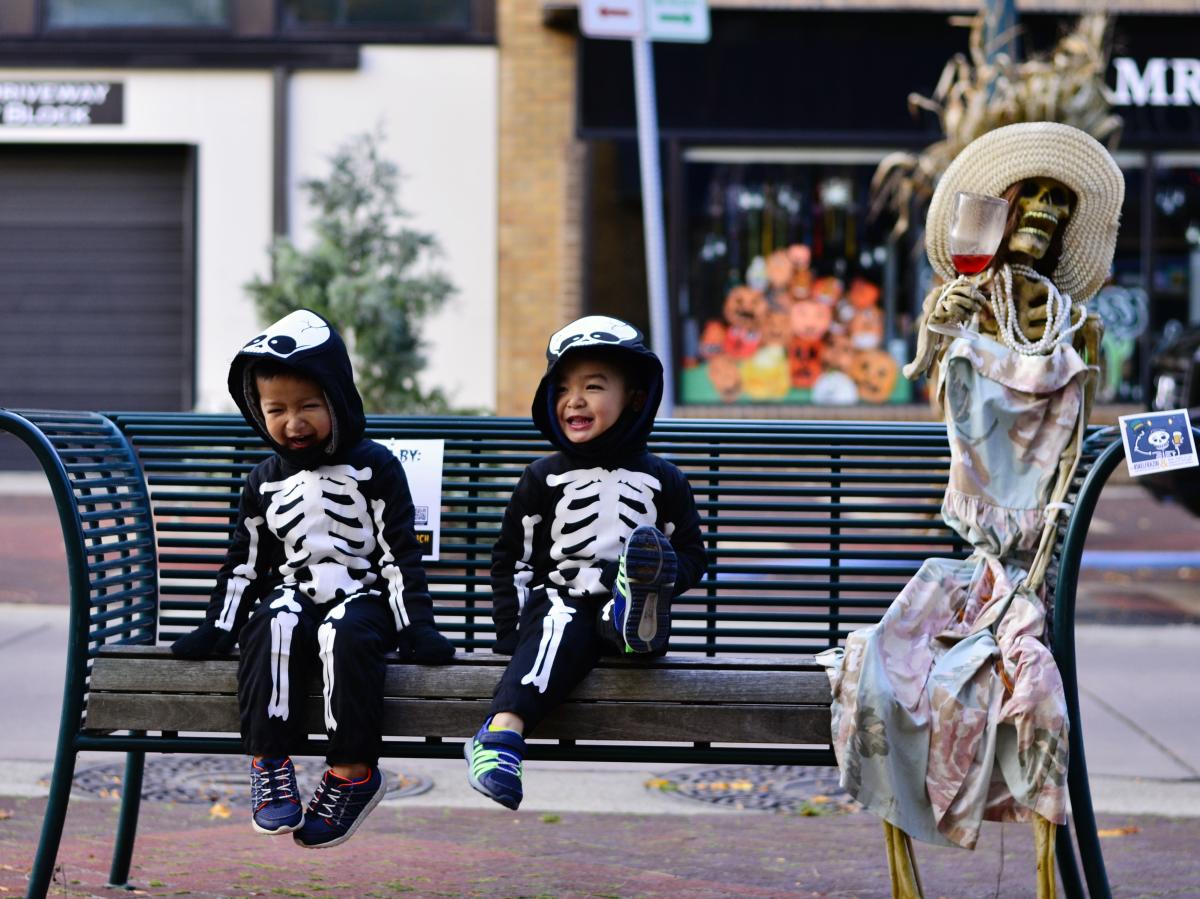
1049	261
633	368
268	368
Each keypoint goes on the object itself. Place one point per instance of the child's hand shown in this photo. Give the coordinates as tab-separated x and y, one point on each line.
206	640
506	645
421	642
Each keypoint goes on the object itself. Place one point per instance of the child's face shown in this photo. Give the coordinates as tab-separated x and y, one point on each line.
294	410
590	396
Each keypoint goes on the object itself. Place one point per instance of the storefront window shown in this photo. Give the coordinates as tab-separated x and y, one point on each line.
792	294
366	13
136	13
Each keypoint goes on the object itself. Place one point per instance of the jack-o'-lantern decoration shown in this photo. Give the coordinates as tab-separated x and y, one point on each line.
866	328
726	377
862	293
777	330
806	360
779	271
712	339
811	319
745	312
874	371
766	375
827	290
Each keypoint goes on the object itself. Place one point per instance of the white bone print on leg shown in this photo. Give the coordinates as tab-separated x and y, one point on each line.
553	625
242	576
282	626
321	517
599	509
326	635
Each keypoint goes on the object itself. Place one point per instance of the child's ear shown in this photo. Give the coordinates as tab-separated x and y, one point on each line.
637	400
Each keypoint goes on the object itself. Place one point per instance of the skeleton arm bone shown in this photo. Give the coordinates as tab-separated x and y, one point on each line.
947	304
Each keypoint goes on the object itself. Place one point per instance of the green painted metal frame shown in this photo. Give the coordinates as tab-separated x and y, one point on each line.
733	493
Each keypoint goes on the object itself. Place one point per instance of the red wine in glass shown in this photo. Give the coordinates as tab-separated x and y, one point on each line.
976	229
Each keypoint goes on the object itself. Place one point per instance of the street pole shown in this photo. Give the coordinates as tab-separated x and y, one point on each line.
652	217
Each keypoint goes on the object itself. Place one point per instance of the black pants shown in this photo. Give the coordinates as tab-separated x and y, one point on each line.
285	641
560	639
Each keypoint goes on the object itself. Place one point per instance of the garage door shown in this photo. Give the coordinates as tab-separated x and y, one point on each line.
96	289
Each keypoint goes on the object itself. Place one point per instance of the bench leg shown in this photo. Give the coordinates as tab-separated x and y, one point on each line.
1068	868
131	803
52	824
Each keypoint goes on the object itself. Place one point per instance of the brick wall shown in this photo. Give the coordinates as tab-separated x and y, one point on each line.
540	198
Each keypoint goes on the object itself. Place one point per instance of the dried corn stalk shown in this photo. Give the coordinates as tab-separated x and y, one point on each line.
975	95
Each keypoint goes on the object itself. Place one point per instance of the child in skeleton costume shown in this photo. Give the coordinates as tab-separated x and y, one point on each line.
596	540
325	546
951	709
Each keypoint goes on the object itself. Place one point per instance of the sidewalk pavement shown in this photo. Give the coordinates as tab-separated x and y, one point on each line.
607	830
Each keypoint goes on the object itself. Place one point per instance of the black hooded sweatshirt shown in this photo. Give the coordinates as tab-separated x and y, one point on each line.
331	520
571	511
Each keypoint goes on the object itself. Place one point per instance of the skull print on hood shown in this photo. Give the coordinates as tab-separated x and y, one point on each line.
605	335
308	344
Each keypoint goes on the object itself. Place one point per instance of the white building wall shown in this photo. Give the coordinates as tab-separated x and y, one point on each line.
227	117
438	110
438	107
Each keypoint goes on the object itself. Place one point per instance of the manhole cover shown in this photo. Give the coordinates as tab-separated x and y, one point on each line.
208	778
791	789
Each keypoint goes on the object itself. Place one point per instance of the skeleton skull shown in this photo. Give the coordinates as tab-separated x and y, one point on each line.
1159	439
1045	205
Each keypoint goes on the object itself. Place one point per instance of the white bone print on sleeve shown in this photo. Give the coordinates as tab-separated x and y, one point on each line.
597	512
321	517
242	576
523	570
390	570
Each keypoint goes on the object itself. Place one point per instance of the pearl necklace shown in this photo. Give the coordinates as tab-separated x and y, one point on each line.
1059	326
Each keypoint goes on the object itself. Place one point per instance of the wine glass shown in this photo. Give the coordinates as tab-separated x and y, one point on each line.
976	228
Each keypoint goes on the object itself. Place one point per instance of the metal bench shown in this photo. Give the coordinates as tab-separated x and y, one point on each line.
812	528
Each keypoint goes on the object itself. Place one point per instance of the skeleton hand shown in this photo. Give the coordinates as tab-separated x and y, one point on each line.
957	304
206	640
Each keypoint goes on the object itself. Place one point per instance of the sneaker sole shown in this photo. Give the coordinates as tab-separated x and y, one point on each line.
644	563
476	784
278	831
362	816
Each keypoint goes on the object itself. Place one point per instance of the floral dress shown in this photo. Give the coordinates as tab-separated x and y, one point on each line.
950	710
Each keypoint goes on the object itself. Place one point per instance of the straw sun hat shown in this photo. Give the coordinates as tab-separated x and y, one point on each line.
1001	158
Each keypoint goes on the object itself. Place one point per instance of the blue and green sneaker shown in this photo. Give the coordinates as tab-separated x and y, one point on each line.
494	764
643	590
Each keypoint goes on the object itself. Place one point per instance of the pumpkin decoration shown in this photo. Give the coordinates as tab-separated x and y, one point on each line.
766	375
866	328
725	376
712	339
746	312
874	371
827	290
811	319
806	360
862	293
839	352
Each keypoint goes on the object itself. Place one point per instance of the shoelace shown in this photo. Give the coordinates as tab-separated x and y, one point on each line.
505	760
331	801
271	784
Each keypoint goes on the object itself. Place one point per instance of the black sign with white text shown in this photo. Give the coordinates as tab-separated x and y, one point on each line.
61	104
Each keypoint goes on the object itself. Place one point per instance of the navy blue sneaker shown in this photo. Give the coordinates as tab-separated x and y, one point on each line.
338	808
273	796
643	590
494	764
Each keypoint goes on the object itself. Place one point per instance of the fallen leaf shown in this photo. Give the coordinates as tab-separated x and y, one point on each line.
5	814
1118	831
219	810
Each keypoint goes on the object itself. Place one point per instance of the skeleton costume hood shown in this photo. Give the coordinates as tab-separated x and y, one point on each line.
604	335
306	342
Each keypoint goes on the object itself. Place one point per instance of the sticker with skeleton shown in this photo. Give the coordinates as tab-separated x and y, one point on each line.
326	528
301	330
597	512
592	330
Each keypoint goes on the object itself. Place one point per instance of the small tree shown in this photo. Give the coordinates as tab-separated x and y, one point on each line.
374	278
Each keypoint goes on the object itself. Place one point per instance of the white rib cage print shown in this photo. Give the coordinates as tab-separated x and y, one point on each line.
598	510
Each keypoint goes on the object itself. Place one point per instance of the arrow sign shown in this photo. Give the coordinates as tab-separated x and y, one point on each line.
612	18
677	20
